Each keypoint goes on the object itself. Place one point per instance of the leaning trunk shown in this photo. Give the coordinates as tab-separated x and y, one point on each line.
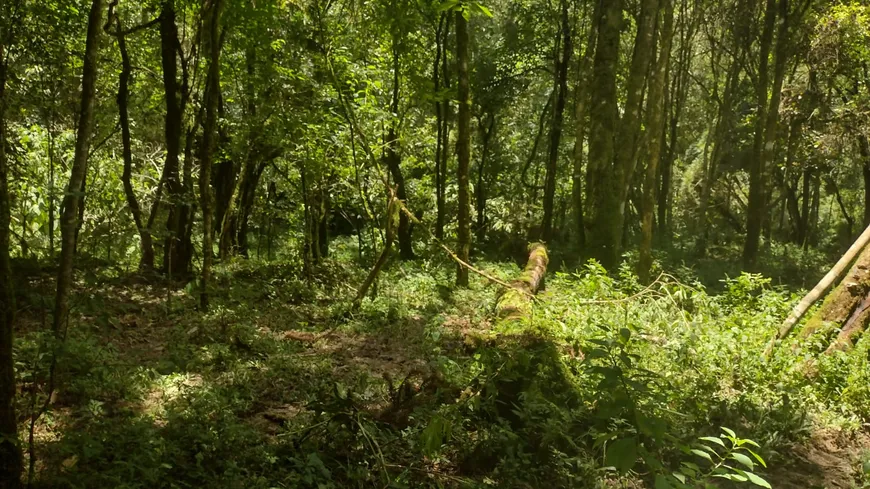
514	303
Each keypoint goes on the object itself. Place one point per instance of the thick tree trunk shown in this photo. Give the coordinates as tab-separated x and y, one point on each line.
146	261
394	161
655	122
602	187
463	147
514	303
173	262
209	135
78	171
10	451
561	86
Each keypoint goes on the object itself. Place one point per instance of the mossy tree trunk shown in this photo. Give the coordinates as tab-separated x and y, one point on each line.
463	147
514	302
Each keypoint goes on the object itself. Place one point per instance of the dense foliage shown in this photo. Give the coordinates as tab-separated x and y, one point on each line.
264	243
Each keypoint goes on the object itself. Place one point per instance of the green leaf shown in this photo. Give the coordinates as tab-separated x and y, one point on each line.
484	10
448	5
730	432
662	482
713	439
702	454
758	481
744	460
757	457
622	454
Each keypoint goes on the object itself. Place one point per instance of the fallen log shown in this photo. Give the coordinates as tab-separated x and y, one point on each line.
822	288
514	302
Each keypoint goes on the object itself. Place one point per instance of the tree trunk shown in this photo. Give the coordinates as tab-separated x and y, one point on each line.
844	306
209	136
581	111
561	85
655	119
601	186
441	164
10	452
756	207
864	151
146	261
439	116
78	171
463	147
486	131
173	263
514	303
394	160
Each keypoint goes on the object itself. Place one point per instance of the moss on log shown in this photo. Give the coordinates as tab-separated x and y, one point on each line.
845	307
514	303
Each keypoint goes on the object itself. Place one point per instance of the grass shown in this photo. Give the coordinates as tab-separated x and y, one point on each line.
280	386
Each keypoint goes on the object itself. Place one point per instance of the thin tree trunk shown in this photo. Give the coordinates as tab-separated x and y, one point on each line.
581	111
486	131
78	171
562	63
10	452
655	122
441	198
146	261
439	116
394	160
209	135
756	207
463	147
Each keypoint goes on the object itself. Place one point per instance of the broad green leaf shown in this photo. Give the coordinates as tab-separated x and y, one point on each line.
622	454
758	481
484	10
702	454
757	457
713	439
730	432
744	460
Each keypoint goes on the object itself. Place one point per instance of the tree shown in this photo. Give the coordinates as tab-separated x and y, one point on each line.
463	144
72	200
212	9
10	452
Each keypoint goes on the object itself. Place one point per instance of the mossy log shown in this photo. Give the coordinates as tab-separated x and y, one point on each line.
514	302
847	306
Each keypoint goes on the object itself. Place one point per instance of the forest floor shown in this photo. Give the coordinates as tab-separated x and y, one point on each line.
281	386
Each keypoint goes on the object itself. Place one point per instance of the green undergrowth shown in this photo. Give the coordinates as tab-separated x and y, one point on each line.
607	383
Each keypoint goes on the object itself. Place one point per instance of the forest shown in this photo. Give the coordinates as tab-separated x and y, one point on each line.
459	244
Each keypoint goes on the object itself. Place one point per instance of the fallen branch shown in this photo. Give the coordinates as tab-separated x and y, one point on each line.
514	302
822	288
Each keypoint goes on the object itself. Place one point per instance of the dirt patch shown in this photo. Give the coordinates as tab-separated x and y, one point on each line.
828	460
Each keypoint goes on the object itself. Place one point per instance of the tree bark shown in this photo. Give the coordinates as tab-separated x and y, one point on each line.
486	131
463	147
602	187
10	451
581	111
864	151
78	171
655	123
514	303
756	206
444	133
209	135
561	86
173	261
394	160
146	261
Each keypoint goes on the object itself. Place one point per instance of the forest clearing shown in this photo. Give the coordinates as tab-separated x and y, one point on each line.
434	244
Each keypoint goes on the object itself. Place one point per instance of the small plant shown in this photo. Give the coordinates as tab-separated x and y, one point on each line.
724	457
